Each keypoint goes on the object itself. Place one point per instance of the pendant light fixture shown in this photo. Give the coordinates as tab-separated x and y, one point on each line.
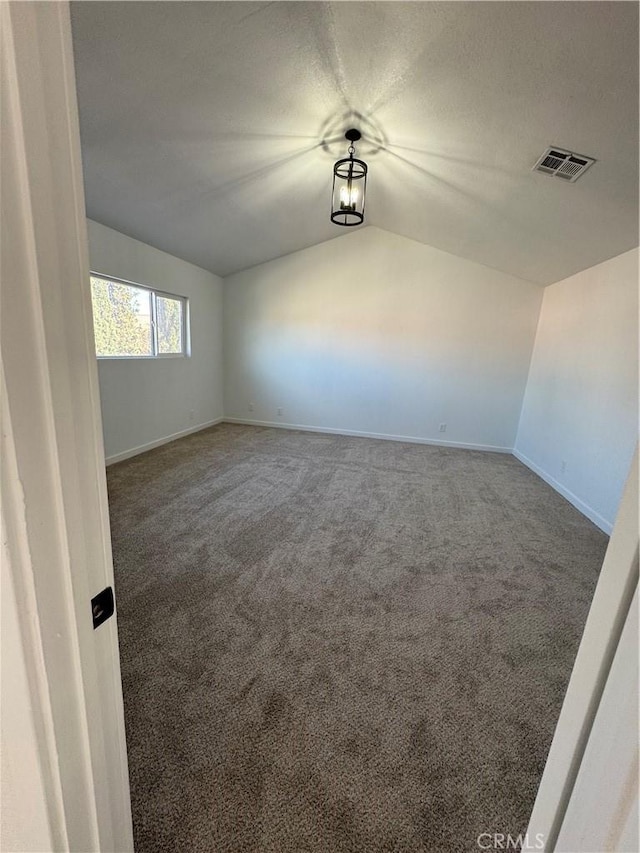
349	186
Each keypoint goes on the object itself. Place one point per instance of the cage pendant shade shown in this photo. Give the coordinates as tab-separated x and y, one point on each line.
349	187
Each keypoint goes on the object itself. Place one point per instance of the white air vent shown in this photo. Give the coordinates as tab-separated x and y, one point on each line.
563	164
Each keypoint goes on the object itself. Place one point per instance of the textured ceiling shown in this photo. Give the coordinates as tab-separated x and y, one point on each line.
209	128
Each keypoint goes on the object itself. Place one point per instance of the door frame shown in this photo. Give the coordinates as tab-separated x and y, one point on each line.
54	511
612	599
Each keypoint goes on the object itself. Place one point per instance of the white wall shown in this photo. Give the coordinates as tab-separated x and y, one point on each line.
581	403
375	333
145	401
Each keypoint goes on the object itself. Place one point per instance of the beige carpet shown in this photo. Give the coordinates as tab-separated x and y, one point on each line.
337	644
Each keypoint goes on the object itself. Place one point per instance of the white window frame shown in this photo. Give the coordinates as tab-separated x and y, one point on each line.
154	293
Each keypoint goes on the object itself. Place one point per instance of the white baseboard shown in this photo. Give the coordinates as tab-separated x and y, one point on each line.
127	454
585	509
580	505
411	439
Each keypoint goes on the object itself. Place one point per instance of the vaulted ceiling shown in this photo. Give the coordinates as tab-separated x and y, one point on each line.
209	129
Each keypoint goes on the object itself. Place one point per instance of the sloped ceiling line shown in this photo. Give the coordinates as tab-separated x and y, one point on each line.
208	129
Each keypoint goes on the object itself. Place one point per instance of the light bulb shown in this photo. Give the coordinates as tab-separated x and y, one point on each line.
348	199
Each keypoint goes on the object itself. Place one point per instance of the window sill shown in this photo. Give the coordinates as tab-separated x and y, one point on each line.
143	357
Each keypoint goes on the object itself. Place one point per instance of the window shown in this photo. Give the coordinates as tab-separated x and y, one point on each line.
131	321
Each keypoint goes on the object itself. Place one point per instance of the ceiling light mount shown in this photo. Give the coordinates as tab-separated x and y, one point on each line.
349	185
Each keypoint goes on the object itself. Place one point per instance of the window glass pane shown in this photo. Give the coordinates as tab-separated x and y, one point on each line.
169	325
121	318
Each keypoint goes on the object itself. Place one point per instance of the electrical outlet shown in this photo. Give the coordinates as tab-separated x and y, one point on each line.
280	411
250	407
192	415
443	428
563	466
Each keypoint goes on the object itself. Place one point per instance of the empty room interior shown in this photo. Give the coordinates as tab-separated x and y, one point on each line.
364	279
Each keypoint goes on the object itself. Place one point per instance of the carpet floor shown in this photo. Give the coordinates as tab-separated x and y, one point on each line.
340	645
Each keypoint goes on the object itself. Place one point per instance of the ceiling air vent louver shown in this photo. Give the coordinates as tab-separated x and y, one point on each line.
563	164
